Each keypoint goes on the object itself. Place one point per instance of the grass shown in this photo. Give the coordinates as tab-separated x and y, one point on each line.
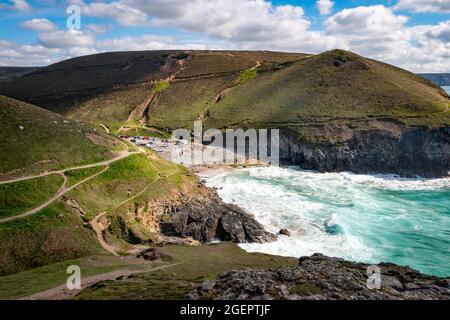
161	86
76	176
28	282
16	198
35	140
305	289
315	88
247	75
55	234
126	178
197	264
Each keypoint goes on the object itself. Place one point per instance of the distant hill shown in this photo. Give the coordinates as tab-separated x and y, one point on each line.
332	107
171	89
441	79
8	73
108	87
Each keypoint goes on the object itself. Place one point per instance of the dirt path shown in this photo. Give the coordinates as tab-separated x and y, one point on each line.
100	227
62	292
122	155
57	196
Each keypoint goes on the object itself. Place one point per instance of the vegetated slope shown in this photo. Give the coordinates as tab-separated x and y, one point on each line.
441	79
333	108
109	87
125	200
9	73
332	85
35	140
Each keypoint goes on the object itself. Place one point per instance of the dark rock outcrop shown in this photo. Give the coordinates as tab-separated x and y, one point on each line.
206	219
372	146
319	277
154	254
285	232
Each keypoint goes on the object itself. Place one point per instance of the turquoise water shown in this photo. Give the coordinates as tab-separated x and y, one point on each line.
447	89
361	218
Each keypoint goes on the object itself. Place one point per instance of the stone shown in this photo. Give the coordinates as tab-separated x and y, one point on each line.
285	232
154	254
323	278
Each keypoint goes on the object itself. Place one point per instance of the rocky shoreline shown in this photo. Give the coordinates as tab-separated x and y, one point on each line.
368	147
323	278
208	218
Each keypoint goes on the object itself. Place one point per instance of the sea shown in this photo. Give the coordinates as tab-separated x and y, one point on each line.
362	218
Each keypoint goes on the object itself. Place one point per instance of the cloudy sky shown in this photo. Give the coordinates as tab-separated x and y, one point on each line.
413	34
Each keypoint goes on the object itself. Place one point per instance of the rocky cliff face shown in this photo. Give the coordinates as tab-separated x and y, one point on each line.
190	215
372	146
322	278
208	218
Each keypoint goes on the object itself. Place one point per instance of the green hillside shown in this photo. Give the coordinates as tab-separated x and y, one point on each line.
35	140
332	85
57	175
171	89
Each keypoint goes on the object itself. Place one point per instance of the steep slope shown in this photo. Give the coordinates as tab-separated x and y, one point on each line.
9	73
67	191
332	85
109	87
332	108
35	140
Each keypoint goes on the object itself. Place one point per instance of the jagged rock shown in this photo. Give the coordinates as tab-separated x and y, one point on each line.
208	219
154	254
285	232
371	146
319	278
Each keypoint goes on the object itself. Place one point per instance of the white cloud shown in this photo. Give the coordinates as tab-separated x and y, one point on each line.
64	39
98	28
374	31
371	20
439	6
440	32
325	6
19	5
13	54
145	42
38	25
124	14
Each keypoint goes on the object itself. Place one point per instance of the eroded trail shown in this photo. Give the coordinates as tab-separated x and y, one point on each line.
100	226
63	190
56	197
121	155
63	293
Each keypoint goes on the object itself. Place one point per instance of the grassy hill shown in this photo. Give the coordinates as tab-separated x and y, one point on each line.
171	89
125	86
9	73
35	140
332	85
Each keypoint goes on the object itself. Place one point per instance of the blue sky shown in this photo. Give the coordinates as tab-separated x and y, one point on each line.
413	34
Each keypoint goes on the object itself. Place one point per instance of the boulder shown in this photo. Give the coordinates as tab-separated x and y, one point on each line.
285	232
324	278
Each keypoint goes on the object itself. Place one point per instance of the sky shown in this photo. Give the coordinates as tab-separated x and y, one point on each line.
412	34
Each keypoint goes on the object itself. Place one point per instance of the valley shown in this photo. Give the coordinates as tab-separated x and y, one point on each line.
74	188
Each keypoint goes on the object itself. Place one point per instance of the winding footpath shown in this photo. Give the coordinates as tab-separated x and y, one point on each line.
63	190
122	155
63	293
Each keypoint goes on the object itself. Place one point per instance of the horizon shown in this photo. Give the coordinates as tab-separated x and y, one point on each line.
410	34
